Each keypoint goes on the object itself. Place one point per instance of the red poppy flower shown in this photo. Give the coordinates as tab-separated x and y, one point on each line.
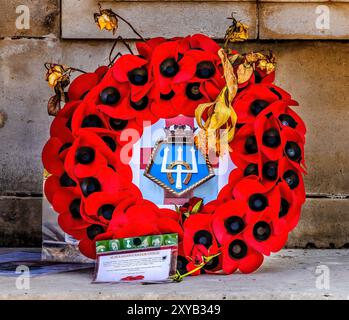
183	99
197	258
133	70
188	206
145	49
53	155
93	233
238	255
55	183
51	185
164	93
168	213
201	41
290	210
189	263
71	218
228	218
61	124
101	72
235	176
114	99
288	118
81	85
102	206
106	180
91	114
269	172
293	146
268	137
226	193
250	102
165	65
293	178
245	149
261	236
259	199
88	116
198	240
210	207
213	266
201	67
168	105
182	261
141	220
91	153
261	76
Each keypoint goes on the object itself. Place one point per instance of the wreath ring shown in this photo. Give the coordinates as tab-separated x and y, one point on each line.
90	186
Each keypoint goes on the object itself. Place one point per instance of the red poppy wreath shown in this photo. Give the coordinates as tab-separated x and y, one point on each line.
232	97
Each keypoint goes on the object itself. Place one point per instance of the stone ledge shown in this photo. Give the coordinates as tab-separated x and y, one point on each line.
290	274
284	20
20	221
324	223
151	19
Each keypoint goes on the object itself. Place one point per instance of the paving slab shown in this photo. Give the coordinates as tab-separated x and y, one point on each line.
289	274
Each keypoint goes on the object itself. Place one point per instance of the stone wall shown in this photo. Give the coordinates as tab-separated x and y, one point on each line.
312	65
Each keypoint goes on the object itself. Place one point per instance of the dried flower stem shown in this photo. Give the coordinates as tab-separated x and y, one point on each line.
48	65
111	61
130	25
127	22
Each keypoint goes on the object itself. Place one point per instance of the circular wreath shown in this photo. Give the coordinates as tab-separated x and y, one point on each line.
91	188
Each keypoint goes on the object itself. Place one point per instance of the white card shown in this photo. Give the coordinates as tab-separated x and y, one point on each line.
144	265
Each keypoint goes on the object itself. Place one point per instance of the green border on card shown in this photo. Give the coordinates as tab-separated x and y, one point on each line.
136	243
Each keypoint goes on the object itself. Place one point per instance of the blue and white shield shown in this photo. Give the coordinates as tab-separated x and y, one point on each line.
178	167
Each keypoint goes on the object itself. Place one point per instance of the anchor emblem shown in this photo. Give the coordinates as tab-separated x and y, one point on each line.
176	164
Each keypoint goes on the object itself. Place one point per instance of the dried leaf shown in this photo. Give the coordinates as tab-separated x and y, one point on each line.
237	32
106	19
266	62
54	75
54	105
244	73
197	207
220	113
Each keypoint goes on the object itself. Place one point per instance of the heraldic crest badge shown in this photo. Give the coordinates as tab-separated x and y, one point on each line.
176	164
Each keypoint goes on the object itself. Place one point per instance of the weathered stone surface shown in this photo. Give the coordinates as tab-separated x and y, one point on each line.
20	221
316	74
23	99
151	19
289	274
324	224
44	18
301	21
